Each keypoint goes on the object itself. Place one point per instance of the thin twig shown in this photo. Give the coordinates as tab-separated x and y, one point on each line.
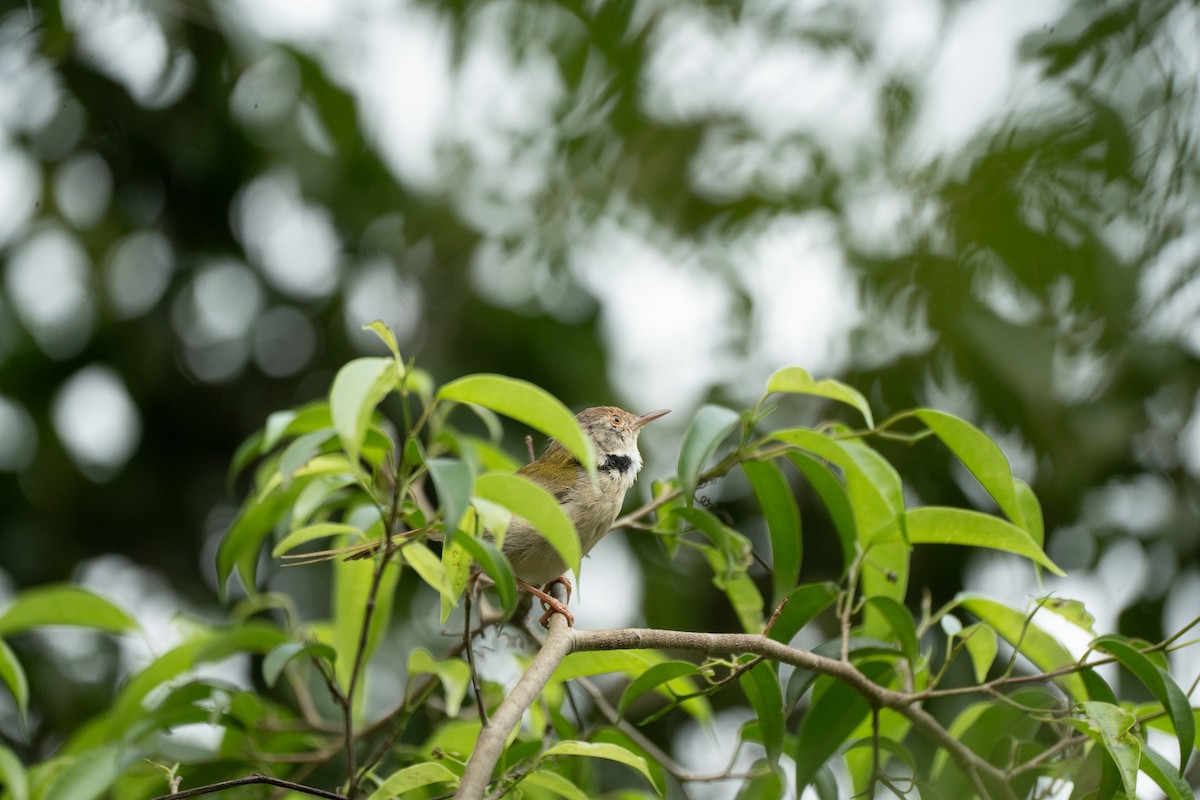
249	780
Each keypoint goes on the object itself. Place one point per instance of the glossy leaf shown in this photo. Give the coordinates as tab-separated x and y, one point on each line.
63	604
454	674
779	509
707	430
1031	512
939	525
1039	647
796	380
357	389
1163	773
351	585
654	677
13	777
1072	611
803	605
14	678
495	565
413	777
530	500
982	457
426	564
527	403
1161	685
285	653
605	750
761	685
633	663
454	483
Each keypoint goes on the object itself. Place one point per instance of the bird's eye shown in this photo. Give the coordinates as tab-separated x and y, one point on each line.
616	420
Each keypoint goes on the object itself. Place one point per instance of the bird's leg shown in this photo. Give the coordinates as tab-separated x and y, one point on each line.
551	604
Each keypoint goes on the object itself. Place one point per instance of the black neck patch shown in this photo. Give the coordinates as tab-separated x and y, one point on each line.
619	463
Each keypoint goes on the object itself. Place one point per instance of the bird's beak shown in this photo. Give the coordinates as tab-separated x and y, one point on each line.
653	415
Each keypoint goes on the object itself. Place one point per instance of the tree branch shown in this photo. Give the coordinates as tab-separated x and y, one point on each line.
248	780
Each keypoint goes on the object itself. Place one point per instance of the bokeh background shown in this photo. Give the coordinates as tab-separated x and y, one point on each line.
986	206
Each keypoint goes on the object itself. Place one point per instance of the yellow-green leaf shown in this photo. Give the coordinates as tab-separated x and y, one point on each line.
938	525
413	777
530	500
62	604
796	380
357	389
612	752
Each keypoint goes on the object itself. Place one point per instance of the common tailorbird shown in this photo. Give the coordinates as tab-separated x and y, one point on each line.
593	507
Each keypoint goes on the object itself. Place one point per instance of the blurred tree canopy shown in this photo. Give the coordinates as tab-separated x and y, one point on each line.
974	206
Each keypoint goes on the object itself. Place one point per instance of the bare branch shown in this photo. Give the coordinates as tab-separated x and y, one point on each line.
249	780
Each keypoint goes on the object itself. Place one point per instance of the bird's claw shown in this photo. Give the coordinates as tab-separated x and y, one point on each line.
551	604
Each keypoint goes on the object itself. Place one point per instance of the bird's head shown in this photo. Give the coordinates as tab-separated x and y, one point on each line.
614	432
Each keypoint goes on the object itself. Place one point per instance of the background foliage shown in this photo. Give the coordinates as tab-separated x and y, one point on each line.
646	203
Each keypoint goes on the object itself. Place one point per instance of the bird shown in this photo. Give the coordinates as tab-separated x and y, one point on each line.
592	506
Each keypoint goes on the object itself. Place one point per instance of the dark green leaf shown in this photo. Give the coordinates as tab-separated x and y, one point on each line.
495	565
902	625
707	430
834	496
1165	775
652	678
835	713
981	456
1161	685
779	509
803	605
761	685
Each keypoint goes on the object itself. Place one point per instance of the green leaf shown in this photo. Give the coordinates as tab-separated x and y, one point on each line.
803	605
62	604
388	338
1031	512
88	775
834	496
989	729
453	480
632	663
12	775
1161	685
13	676
652	678
310	532
298	453
938	525
454	674
779	509
611	752
1072	611
351	585
982	646
527	403
707	430
902	625
1165	775
735	547
836	711
1111	726
413	777
357	389
796	380
429	567
761	685
981	456
1031	641
531	501
495	565
279	658
553	782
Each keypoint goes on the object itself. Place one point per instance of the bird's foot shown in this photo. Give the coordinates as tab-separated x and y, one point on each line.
551	604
